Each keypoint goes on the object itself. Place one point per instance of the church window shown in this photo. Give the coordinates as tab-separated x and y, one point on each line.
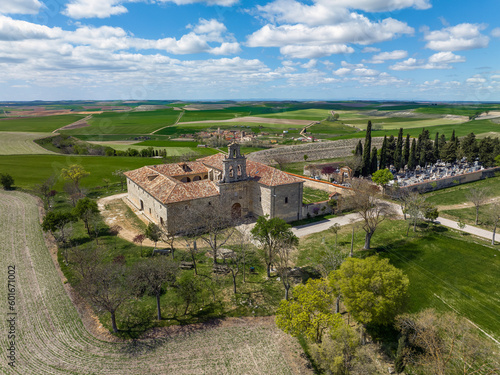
286	199
239	170
231	172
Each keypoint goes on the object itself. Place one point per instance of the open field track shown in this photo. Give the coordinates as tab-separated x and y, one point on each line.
17	143
253	119
51	338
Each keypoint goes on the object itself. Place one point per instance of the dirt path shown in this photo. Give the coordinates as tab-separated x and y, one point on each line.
82	123
50	337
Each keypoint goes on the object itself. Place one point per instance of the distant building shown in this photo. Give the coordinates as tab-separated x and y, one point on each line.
245	188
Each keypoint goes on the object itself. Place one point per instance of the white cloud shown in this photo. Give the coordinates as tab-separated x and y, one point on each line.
440	60
225	49
342	71
370	50
310	64
224	3
495	32
209	26
94	8
379	5
476	80
446	58
461	37
360	31
12	30
310	52
383	56
20	6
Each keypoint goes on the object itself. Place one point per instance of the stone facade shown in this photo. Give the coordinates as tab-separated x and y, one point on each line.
243	188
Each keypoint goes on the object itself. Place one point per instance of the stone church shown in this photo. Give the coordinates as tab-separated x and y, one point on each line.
245	188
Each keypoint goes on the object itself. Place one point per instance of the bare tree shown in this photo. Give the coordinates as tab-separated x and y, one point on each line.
478	196
284	253
106	288
335	230
414	207
372	211
46	190
114	231
152	275
139	239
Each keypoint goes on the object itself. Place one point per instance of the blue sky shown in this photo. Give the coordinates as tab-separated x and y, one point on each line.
440	50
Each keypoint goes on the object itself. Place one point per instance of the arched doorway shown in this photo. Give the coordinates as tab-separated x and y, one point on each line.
236	211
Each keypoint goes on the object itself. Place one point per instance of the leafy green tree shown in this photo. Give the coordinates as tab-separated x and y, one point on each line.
358	151
86	208
373	290
59	225
74	173
309	313
272	234
7	181
469	147
436	147
478	196
382	177
366	167
487	147
153	232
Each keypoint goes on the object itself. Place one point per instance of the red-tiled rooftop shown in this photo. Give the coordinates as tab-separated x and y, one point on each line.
157	180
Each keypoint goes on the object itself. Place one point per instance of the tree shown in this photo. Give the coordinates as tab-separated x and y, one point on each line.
189	289
283	254
365	169
271	234
412	161
153	233
493	217
139	239
469	147
305	157
106	288
85	208
478	196
119	173
59	225
358	151
414	207
406	150
309	313
335	230
46	190
487	153
442	344
74	173
398	154
7	181
235	259
114	231
382	177
328	170
373	290
152	274
391	149
383	154
436	147
373	212
373	161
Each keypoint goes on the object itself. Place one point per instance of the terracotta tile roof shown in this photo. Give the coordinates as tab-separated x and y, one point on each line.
259	172
269	176
169	190
180	169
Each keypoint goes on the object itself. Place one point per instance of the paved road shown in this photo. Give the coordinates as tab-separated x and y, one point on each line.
468	229
304	230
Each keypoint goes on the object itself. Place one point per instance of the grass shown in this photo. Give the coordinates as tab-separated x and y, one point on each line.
311	195
127	122
468	216
18	143
335	127
167	143
28	170
171	151
457	194
302	114
447	271
43	124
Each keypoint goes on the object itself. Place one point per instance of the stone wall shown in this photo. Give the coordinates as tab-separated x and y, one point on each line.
287	201
315	209
152	208
323	185
314	151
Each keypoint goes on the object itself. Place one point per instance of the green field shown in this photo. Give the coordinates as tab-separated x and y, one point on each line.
127	122
255	127
468	216
18	143
171	151
335	127
311	195
441	264
304	114
28	170
457	194
42	124
404	122
460	110
167	143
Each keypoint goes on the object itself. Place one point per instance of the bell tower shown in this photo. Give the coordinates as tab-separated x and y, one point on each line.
234	165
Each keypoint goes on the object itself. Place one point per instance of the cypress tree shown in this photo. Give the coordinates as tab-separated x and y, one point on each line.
365	171
412	162
398	153
373	161
358	151
442	144
383	154
436	147
391	148
406	151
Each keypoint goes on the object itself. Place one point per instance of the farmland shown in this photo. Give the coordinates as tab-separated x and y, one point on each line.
13	143
51	337
41	124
